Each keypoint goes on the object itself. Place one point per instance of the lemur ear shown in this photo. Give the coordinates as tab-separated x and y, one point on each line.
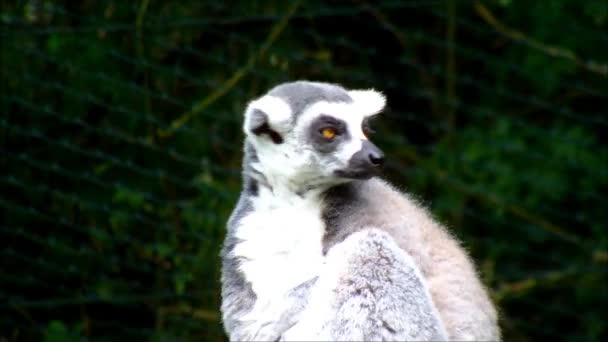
258	125
370	101
269	116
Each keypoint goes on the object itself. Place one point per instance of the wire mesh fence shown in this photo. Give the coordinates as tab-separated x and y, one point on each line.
121	145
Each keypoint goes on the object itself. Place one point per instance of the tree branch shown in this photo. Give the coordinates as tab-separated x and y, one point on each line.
275	32
554	51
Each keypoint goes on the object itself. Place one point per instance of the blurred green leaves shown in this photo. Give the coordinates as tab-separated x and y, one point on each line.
113	231
57	331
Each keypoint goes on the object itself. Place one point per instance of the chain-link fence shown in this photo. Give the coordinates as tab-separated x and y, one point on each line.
121	145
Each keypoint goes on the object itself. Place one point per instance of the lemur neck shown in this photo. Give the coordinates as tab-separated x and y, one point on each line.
280	185
272	176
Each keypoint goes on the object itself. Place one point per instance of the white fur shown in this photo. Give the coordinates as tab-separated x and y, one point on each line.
346	151
322	298
370	101
287	166
281	248
352	113
278	111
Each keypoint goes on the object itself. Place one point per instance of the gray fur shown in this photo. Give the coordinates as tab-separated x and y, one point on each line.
354	206
250	183
463	303
377	294
342	205
301	94
237	296
390	273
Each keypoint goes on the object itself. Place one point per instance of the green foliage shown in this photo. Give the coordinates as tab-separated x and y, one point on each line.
56	331
120	154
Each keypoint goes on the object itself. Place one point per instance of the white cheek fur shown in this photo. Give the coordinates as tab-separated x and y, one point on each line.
347	150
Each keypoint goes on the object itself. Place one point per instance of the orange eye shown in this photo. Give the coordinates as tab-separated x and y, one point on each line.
328	133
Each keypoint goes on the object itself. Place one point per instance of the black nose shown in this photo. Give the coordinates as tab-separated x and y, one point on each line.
364	164
376	158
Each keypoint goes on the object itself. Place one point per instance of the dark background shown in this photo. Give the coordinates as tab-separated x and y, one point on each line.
120	137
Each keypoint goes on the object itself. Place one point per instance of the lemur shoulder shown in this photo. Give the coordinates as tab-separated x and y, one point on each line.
319	247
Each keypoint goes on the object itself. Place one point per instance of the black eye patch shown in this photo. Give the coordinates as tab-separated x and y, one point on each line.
321	143
329	121
366	125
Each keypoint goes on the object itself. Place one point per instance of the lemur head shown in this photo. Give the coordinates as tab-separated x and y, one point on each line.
307	135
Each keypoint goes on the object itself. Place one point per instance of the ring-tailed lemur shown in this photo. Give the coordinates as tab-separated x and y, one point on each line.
319	249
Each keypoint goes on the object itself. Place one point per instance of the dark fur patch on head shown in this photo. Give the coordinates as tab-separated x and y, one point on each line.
265	129
258	125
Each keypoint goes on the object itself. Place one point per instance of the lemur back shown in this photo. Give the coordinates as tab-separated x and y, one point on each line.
374	203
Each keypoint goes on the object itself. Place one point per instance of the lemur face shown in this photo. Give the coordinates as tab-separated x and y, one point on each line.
344	148
338	134
312	134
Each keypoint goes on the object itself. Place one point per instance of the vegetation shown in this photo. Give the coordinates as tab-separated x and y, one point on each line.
121	139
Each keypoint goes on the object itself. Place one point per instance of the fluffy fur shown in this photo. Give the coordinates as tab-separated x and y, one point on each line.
312	256
369	289
458	295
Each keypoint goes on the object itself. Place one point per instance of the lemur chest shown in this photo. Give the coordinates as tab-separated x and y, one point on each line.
280	243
